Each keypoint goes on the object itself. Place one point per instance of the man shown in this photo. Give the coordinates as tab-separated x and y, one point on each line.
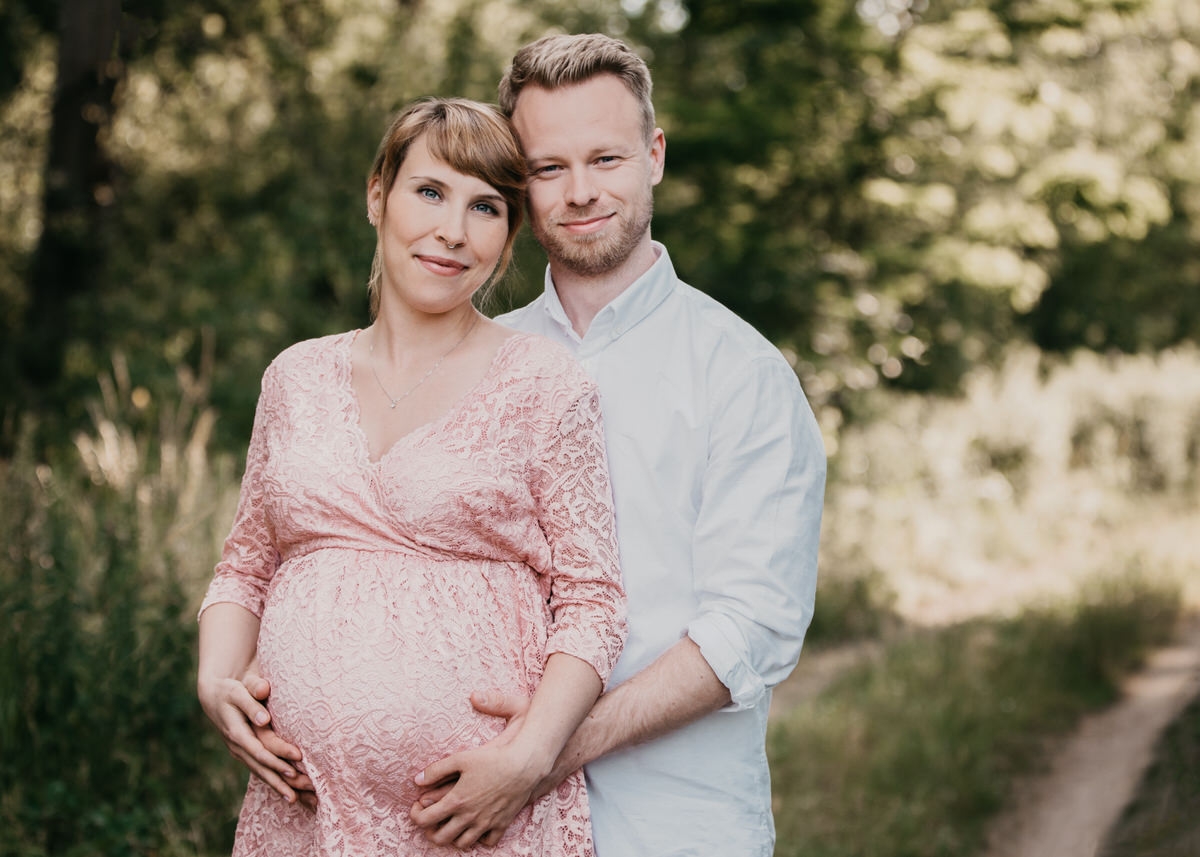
718	474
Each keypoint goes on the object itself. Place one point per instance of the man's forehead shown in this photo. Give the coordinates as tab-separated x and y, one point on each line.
603	115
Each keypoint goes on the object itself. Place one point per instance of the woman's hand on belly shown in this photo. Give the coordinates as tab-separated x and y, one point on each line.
245	727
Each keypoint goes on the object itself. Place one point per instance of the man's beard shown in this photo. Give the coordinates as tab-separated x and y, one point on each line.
594	255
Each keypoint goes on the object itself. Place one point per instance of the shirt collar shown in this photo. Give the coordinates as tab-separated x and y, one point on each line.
624	311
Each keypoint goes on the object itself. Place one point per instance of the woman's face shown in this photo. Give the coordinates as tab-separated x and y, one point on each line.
441	233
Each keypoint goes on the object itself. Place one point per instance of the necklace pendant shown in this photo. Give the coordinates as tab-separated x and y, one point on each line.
392	406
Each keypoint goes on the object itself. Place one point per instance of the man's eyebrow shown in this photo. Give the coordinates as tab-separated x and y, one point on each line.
604	149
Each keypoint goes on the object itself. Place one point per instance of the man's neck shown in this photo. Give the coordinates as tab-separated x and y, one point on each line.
583	296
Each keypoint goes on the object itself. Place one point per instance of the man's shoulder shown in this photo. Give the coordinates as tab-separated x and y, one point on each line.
527	318
718	328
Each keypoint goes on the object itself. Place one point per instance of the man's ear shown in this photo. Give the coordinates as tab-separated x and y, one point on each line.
658	155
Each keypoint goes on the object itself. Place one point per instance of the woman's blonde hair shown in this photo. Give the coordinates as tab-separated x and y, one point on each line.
471	137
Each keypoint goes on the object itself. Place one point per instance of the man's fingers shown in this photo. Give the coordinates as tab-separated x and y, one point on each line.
264	773
274	744
431	796
253	710
498	704
467	838
492	837
442	772
447	832
430	816
257	686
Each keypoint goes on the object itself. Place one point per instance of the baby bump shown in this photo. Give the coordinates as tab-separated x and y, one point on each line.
372	657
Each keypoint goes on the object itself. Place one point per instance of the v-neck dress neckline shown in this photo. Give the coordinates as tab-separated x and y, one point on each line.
413	435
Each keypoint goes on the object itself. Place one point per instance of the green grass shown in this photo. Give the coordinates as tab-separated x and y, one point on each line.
1162	819
911	755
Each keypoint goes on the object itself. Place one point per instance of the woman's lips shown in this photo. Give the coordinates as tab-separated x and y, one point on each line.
440	265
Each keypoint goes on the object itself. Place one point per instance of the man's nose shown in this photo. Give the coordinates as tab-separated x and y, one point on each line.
581	188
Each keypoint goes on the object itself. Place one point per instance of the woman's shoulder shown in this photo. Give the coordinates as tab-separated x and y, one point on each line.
538	359
309	357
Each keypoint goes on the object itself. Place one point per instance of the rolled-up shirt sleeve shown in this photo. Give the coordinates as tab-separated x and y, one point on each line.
757	531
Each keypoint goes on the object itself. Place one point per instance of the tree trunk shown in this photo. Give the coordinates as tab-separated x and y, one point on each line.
78	189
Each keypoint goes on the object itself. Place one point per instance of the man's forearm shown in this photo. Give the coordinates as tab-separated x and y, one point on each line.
678	688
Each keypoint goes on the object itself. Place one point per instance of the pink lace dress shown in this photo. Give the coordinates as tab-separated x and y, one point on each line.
389	590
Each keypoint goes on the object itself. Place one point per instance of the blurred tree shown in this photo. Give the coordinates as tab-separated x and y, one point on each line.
1039	174
888	191
768	137
68	261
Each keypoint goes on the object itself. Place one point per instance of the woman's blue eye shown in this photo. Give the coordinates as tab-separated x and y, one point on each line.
429	193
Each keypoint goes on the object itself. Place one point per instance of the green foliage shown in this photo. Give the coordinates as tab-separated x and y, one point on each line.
767	134
103	748
910	755
889	193
1034	169
851	606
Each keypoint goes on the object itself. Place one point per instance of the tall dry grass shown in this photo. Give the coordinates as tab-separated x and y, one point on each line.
103	749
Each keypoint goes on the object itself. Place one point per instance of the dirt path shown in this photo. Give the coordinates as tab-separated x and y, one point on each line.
1089	779
1068	811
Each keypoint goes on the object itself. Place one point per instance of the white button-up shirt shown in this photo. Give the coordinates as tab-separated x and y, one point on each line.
718	474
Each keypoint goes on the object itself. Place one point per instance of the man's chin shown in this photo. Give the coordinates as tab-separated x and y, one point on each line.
580	254
588	265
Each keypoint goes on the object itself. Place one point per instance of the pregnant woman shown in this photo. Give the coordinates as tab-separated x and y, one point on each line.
425	511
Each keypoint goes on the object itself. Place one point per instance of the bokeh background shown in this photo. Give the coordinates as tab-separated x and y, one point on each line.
970	226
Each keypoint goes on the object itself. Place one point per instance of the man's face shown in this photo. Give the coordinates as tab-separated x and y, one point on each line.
592	172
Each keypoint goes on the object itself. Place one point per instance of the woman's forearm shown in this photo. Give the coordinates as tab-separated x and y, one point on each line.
566	693
228	641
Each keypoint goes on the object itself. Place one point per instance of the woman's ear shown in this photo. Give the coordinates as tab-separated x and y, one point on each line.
374	201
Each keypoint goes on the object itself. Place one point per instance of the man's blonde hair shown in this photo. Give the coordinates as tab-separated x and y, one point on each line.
561	60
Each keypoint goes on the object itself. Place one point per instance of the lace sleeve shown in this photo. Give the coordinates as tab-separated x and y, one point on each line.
575	509
249	558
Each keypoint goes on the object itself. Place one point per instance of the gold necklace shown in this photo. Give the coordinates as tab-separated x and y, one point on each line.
395	400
